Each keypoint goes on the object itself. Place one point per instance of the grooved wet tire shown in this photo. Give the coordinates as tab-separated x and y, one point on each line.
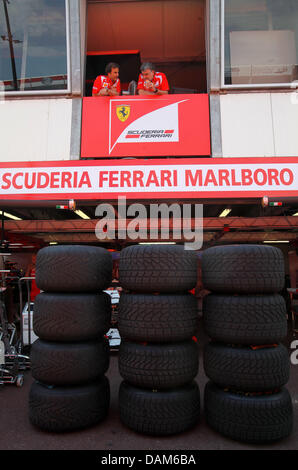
245	319
73	268
245	369
158	366
157	318
62	409
253	419
243	269
71	317
159	413
158	268
69	363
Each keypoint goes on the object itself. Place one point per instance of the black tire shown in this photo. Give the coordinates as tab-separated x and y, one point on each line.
62	409
253	419
71	317
158	268
73	268
69	363
245	369
159	413
245	319
157	318
243	269
158	366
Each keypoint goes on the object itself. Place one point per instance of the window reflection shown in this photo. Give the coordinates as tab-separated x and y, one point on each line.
33	51
261	41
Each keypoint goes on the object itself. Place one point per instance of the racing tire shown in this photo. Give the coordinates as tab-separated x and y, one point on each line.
73	268
243	269
157	318
69	363
62	409
158	268
159	413
158	366
71	317
246	369
251	419
245	319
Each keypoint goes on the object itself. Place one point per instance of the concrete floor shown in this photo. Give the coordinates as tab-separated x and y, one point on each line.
17	433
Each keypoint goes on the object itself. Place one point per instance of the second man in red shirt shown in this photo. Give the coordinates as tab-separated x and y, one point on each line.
151	82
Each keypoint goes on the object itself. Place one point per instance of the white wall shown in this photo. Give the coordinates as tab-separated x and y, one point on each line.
35	129
259	124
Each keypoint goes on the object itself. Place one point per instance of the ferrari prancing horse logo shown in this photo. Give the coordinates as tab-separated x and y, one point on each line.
123	112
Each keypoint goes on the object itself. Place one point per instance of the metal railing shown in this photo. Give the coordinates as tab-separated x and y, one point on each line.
12	359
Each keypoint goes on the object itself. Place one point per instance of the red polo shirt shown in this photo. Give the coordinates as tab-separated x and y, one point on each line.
159	81
105	82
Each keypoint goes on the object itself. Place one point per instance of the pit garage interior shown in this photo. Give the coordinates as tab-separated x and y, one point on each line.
39	226
26	227
29	226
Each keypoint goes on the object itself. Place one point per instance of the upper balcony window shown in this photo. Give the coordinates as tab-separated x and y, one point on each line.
33	45
168	33
260	42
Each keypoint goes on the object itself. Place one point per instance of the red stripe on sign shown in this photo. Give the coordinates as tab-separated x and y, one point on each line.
129	136
169	131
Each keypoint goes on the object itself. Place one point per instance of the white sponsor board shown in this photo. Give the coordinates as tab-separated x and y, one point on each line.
181	177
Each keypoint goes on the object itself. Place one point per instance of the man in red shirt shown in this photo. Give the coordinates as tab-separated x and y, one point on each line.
152	82
109	84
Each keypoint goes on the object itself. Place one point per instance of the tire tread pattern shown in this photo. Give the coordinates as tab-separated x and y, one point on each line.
245	319
63	409
157	318
254	419
158	366
159	413
73	268
243	269
157	268
69	363
71	317
245	369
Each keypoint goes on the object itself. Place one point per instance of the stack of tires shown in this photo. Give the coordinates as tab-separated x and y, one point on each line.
158	356
71	356
246	363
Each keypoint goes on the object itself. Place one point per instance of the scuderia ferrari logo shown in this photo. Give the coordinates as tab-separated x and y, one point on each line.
123	112
160	124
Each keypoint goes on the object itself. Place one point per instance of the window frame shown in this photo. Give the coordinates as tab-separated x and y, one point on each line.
291	85
62	91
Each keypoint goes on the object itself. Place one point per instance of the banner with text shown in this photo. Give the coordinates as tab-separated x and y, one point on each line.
150	179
